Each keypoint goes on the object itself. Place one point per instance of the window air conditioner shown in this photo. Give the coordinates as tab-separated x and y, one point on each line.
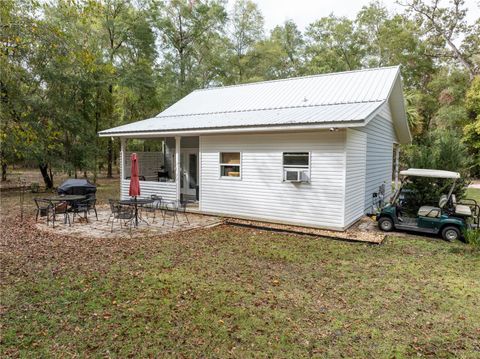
295	176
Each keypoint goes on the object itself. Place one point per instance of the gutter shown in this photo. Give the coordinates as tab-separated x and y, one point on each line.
233	130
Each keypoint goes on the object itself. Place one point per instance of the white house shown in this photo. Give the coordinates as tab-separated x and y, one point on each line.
312	151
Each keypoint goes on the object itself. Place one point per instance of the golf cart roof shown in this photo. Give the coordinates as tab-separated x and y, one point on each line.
420	172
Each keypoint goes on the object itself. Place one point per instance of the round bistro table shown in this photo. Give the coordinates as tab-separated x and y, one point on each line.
135	202
69	198
66	198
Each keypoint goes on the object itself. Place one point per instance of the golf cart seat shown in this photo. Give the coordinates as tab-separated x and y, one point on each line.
429	211
461	209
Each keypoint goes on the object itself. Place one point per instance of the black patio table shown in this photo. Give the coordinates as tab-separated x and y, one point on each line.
66	198
135	202
69	198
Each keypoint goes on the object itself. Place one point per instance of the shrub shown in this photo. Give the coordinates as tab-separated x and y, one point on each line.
441	150
472	237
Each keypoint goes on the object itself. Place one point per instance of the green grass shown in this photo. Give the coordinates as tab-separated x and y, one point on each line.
236	292
473	193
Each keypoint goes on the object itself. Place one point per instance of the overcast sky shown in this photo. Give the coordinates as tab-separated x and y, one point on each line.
303	12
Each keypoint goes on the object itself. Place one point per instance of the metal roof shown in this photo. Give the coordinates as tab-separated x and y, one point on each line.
285	116
320	99
420	172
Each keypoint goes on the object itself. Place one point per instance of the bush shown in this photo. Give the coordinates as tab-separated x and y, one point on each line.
34	187
472	237
441	150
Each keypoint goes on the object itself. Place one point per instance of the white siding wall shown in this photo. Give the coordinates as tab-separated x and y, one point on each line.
261	193
380	138
356	165
167	190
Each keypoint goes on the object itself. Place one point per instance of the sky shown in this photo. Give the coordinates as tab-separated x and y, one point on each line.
304	12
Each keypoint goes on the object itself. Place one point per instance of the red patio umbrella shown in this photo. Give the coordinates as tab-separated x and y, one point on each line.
134	190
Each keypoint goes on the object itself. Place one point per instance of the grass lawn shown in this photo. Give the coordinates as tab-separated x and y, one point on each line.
237	292
473	193
233	292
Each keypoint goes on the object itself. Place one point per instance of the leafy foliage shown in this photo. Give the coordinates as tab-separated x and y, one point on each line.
440	150
72	68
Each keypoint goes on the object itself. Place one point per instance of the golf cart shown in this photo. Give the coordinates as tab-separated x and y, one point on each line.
449	218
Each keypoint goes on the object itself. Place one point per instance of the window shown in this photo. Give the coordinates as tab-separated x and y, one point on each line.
296	166
230	164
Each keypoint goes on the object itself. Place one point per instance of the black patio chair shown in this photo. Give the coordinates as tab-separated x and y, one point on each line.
44	208
182	208
170	209
153	207
125	214
61	208
79	207
91	205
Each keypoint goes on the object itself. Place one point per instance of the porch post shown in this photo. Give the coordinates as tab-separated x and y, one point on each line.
177	166
122	164
397	160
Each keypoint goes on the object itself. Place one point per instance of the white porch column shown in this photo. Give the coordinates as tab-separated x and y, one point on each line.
397	169
177	166
122	163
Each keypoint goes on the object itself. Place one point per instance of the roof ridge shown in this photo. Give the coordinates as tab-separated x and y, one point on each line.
298	78
272	108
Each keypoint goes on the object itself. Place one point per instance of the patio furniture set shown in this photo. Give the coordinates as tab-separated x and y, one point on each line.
132	212
65	205
128	213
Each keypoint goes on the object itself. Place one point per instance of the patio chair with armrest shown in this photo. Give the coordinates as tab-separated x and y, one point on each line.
153	207
91	205
78	207
121	213
44	208
170	209
182	208
61	208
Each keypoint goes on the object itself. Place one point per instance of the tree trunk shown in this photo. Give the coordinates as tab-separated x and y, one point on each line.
4	171
46	177
460	57
4	166
51	174
95	162
110	158
110	141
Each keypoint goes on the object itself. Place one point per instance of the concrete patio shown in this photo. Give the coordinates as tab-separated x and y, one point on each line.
101	229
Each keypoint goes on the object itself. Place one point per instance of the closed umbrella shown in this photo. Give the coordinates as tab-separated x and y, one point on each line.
134	189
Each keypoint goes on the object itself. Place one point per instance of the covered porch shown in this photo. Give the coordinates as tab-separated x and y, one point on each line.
168	167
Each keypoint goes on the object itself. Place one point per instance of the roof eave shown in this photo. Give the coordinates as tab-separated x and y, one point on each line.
397	106
234	130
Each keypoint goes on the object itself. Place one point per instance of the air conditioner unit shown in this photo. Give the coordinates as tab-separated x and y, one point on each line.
295	176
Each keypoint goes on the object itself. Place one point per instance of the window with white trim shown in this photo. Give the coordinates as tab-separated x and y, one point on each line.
230	165
296	166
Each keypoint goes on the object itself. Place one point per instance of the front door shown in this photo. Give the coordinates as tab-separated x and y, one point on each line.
189	173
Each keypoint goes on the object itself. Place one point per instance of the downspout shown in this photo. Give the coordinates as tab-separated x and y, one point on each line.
397	166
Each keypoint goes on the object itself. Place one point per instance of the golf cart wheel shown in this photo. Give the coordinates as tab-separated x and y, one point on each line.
385	224
450	233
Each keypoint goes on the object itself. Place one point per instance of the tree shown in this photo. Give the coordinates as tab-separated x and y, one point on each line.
471	131
186	28
394	40
16	82
444	25
334	44
246	23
